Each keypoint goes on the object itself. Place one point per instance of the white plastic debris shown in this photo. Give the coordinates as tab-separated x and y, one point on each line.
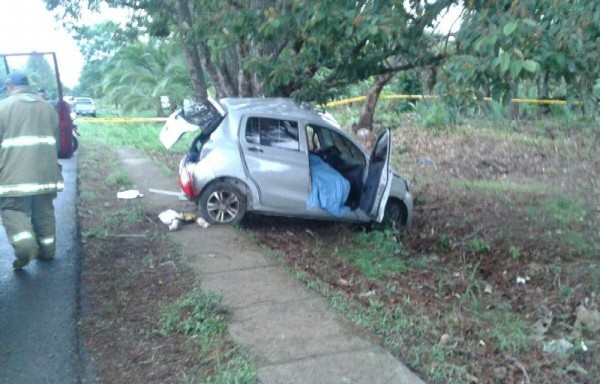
174	225
175	219
445	339
521	280
560	347
129	194
168	216
203	223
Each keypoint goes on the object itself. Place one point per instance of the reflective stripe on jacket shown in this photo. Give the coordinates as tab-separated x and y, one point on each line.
28	145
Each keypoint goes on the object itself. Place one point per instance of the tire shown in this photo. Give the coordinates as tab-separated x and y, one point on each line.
75	143
222	203
394	216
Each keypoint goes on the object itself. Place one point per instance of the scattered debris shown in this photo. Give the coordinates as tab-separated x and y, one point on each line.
559	347
342	282
180	195
129	194
587	320
427	162
540	328
168	216
201	222
574	367
368	294
174	219
488	289
522	280
447	341
174	225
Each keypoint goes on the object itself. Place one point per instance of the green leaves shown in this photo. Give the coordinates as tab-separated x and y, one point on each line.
504	62
515	67
515	42
510	28
531	66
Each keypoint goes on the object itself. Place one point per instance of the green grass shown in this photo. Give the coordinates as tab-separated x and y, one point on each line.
405	328
200	316
111	221
119	179
562	211
196	320
142	136
565	216
508	332
376	254
497	187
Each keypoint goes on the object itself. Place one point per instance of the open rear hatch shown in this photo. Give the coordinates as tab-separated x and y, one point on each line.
205	116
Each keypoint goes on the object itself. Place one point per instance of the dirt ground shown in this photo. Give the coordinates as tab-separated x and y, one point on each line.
454	181
449	213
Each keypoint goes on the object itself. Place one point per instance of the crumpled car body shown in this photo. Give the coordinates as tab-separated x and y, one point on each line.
254	155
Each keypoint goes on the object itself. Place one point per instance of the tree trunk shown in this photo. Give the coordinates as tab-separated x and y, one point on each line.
245	88
219	79
367	112
159	111
191	53
544	92
513	107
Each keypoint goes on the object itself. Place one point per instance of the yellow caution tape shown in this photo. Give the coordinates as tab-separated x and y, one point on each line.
118	120
419	97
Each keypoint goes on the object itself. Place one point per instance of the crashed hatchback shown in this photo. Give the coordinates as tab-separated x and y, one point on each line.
274	156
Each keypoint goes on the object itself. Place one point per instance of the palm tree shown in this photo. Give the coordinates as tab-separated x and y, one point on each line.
140	73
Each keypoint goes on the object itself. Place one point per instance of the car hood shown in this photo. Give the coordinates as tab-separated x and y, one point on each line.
204	116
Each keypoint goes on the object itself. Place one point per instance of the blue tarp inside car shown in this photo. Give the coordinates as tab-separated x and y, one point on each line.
329	189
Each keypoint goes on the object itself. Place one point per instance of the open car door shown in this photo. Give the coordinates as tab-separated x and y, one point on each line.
378	183
44	60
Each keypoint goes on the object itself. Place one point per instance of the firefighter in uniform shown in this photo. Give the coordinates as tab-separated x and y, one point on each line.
30	175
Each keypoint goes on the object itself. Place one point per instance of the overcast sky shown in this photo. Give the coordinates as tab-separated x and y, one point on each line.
26	25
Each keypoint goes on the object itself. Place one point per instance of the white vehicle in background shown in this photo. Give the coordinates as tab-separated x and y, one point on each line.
84	106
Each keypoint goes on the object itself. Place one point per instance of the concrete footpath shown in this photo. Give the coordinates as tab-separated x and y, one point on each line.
291	331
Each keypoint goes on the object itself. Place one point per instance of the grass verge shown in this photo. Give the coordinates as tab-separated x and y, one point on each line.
142	322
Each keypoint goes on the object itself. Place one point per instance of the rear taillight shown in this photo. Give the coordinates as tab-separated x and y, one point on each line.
186	182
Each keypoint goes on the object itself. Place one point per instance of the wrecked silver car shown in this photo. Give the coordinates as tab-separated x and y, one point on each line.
274	156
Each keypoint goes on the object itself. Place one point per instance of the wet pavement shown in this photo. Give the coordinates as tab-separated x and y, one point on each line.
39	305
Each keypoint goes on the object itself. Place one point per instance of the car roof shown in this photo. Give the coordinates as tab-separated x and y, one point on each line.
83	99
280	106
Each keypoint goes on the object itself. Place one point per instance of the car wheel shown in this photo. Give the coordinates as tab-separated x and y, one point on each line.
75	143
222	203
395	215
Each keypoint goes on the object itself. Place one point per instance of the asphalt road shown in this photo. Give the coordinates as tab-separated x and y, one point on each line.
39	305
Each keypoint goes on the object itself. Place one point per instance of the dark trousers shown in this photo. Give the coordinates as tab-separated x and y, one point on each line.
30	225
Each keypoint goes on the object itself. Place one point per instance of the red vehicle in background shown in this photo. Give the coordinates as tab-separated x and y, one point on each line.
53	88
